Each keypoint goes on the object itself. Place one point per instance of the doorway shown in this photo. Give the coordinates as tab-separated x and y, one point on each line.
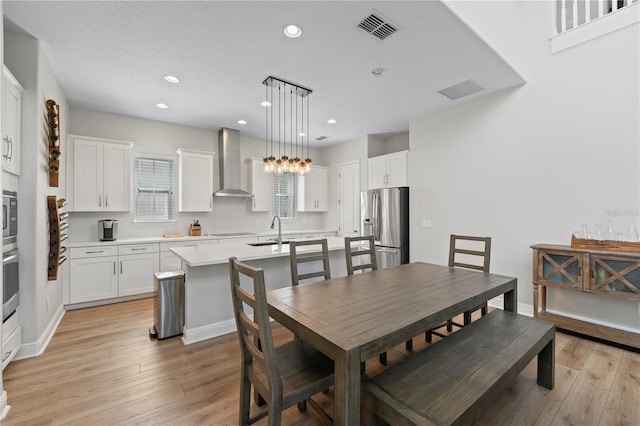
349	198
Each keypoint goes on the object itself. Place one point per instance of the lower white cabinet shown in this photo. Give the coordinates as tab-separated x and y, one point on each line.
11	338
104	272
138	263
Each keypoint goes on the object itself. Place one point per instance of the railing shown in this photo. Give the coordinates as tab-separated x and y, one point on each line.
574	13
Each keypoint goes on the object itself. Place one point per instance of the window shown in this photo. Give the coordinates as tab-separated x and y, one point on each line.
154	188
285	196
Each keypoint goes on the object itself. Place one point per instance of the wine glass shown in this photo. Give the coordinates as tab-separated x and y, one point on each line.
597	234
632	234
610	232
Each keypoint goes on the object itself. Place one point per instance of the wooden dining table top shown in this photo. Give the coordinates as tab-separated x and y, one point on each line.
353	318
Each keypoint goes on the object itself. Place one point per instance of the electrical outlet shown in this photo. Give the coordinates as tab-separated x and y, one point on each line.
426	224
47	303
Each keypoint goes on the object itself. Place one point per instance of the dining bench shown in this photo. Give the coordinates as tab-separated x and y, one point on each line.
454	380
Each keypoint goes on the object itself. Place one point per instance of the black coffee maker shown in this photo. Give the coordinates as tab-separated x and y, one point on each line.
107	229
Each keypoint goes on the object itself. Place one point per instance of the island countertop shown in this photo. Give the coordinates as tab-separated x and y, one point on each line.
218	254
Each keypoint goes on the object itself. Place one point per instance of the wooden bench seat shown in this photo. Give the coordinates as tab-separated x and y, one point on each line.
454	381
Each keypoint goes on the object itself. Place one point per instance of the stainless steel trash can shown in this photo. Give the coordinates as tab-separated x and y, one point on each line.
168	309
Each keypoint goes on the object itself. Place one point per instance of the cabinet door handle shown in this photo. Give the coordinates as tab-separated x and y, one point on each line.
94	251
106	200
121	267
10	149
189	245
139	248
6	355
99	200
114	267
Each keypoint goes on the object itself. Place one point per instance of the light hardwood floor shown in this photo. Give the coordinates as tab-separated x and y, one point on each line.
101	369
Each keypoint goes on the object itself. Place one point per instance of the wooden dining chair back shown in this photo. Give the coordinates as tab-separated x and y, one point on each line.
471	253
463	249
284	376
301	256
360	252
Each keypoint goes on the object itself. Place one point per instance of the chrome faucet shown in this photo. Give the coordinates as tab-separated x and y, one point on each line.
278	239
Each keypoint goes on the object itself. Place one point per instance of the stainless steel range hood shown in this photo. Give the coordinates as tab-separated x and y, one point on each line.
230	165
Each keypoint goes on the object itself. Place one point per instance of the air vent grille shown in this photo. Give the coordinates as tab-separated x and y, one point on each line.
465	88
321	138
377	26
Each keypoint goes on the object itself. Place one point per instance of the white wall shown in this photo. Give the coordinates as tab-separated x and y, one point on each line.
25	58
530	164
154	137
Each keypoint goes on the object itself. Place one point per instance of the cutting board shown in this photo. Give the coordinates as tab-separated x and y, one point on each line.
172	235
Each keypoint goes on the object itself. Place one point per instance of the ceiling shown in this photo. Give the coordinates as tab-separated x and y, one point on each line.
111	56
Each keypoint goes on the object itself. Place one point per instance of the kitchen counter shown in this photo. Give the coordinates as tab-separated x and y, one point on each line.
217	254
204	237
208	305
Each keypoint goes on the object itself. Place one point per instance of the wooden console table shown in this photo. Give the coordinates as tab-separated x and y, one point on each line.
602	272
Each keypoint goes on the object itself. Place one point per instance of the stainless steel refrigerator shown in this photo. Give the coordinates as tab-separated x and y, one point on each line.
385	214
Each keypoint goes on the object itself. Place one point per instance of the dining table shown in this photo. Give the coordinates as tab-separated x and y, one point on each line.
353	318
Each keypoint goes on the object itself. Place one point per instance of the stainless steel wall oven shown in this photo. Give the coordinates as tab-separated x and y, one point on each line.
11	283
10	254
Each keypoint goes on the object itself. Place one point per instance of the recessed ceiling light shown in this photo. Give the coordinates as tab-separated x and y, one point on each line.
172	79
162	106
331	121
292	31
265	103
241	121
302	134
378	72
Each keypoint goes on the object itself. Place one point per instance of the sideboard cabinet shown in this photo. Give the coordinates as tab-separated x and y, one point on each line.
606	273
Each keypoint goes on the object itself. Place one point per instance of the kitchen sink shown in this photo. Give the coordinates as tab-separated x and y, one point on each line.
266	243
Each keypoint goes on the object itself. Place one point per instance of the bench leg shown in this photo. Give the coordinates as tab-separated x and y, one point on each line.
546	365
367	409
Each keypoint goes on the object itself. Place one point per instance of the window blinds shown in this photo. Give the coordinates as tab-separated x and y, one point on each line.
285	195
154	189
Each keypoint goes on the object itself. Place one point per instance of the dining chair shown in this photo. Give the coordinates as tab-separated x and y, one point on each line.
357	253
283	376
299	257
471	253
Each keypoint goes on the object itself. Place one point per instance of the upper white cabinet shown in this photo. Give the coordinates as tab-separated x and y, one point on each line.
11	122
262	186
99	174
195	180
313	190
388	171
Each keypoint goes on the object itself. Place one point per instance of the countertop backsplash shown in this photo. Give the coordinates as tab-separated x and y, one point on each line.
227	216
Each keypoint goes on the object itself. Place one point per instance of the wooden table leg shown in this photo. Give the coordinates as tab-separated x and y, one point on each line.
347	389
546	365
511	300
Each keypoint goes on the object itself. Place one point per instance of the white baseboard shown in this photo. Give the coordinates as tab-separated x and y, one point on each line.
36	348
209	331
4	408
523	309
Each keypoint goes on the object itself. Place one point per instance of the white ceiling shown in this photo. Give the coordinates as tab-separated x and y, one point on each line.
111	56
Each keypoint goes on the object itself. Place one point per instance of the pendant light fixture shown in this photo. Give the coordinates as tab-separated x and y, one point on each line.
285	119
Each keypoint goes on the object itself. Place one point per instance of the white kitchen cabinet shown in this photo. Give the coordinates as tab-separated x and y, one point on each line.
11	337
262	186
99	174
110	271
313	190
137	264
195	180
93	278
388	171
11	122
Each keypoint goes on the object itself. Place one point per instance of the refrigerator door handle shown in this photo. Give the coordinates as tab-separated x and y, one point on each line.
375	207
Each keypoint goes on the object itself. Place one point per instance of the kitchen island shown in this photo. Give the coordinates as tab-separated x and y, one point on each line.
208	306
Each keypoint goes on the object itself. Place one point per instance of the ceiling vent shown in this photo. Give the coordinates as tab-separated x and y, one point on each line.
321	138
466	88
377	26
